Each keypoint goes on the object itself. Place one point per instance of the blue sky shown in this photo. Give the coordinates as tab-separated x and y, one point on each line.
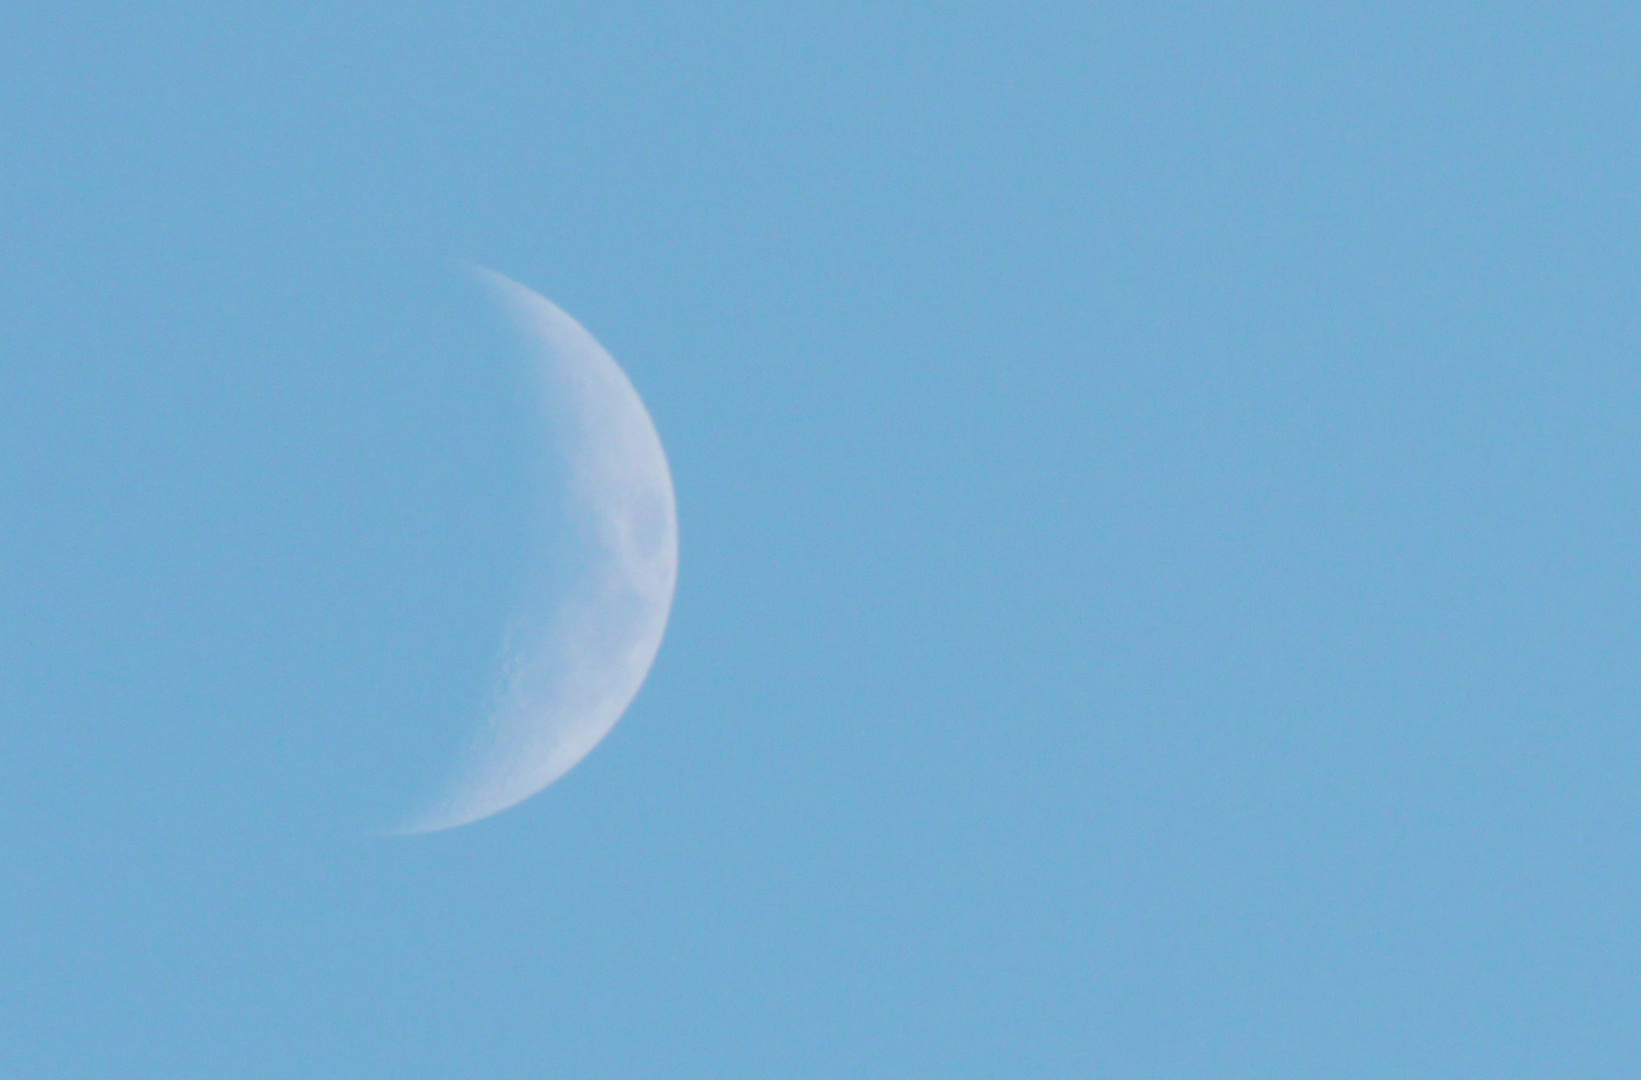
1157	496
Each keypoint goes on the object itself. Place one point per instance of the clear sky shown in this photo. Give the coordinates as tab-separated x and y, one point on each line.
1158	503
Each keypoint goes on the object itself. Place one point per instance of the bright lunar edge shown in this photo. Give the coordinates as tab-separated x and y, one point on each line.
573	657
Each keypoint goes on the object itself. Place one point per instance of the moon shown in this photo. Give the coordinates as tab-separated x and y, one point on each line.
582	640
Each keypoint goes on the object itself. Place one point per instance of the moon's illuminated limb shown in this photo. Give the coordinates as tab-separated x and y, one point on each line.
569	670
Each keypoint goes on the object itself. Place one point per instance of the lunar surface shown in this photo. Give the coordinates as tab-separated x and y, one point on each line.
590	623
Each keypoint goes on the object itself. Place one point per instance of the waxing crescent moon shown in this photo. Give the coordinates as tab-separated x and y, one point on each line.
574	654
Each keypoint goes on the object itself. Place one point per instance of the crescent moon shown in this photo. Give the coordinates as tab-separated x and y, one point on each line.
575	653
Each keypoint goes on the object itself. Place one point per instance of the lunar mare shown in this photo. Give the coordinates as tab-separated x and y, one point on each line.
575	655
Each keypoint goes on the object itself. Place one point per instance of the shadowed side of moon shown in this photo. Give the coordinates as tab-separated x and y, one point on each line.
573	655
